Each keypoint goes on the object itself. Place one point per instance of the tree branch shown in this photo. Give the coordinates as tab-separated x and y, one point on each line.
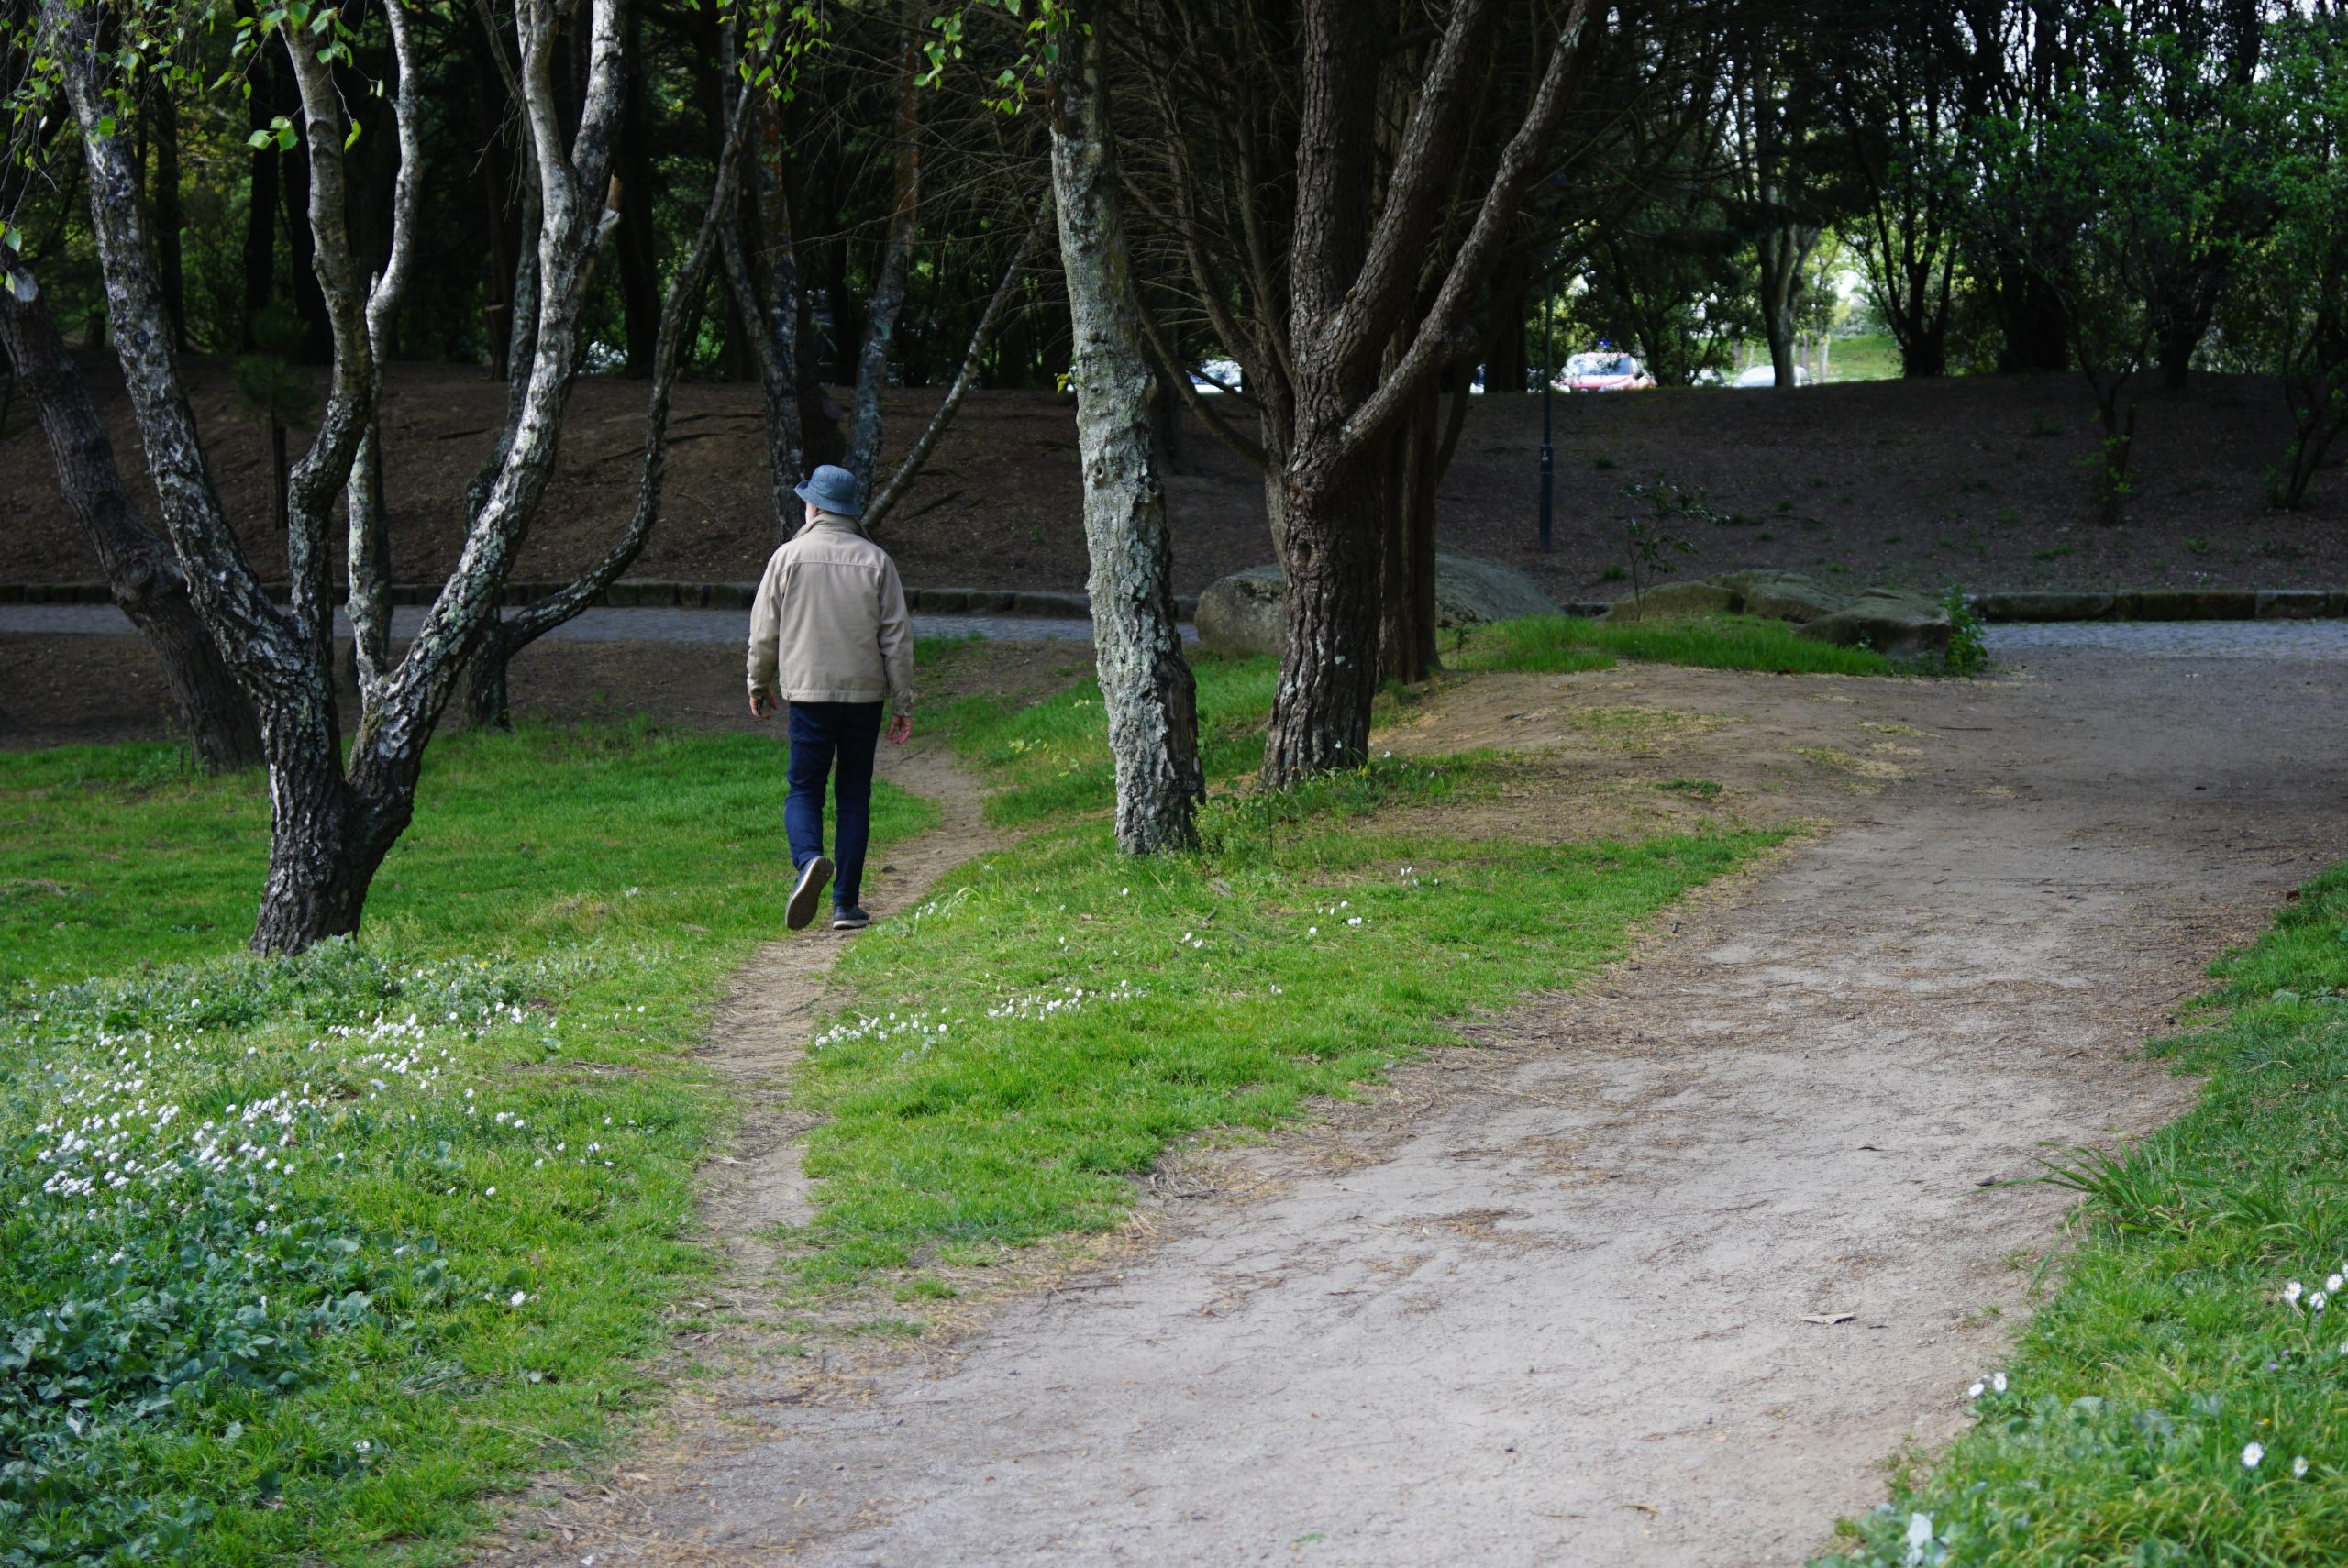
981	338
1438	336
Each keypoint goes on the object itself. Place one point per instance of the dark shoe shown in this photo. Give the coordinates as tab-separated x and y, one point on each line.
850	919
814	878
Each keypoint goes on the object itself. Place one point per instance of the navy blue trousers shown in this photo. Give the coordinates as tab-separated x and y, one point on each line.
825	736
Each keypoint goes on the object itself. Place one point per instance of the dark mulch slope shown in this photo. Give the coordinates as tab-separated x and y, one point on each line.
1974	480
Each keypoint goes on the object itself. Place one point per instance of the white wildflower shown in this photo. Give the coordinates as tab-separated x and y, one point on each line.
2252	1452
2300	1466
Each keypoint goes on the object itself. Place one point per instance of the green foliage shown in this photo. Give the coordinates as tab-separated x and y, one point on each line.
1565	642
1969	651
2158	1408
304	1254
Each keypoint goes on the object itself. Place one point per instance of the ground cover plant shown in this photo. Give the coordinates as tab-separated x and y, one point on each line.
1560	644
2184	1396
303	1254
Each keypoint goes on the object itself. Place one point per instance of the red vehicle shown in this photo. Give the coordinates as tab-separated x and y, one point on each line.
1605	370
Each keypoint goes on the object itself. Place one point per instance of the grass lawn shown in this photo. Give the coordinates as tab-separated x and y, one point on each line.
2183	1397
1559	644
303	1257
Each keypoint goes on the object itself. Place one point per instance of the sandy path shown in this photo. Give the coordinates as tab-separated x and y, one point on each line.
1544	1303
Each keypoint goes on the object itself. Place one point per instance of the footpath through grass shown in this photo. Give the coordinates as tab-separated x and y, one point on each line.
302	1257
2183	1399
1056	1016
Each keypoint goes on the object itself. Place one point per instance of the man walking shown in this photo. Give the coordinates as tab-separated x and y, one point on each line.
829	634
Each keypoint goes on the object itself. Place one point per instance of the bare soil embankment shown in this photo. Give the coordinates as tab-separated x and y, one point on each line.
1974	480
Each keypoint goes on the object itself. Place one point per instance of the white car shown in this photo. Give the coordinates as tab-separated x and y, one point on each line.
1765	375
1607	369
1217	376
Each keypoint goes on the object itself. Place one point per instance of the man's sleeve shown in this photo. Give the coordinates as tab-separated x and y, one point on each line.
896	640
765	631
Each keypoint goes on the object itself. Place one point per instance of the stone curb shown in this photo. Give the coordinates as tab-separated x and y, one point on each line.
639	593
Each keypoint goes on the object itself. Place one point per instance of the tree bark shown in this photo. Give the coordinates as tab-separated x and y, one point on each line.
1146	689
141	570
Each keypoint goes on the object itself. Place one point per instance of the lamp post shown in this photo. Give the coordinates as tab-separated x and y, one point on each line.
1548	452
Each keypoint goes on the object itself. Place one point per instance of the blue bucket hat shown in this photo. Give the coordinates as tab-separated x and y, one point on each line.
831	488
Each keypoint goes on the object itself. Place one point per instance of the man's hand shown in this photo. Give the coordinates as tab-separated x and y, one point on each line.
901	729
761	704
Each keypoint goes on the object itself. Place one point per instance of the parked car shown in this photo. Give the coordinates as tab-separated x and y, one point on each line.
1604	369
1217	376
1765	375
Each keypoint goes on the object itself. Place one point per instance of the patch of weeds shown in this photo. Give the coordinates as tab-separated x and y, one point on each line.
1892	538
2042	427
2177	1400
2008	516
1785	505
1766	537
2279	550
1614	571
1696	788
2052	552
1603	463
2197	545
1845	498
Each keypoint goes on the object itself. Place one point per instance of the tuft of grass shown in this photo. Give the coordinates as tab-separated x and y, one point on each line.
2123	1432
449	1185
1565	643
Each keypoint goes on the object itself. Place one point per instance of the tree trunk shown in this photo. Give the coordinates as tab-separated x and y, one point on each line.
140	568
1146	688
1329	667
323	851
488	686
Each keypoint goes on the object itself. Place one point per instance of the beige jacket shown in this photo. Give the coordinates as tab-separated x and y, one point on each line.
830	624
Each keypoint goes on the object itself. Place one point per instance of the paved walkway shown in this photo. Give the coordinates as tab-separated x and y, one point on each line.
600	626
2325	640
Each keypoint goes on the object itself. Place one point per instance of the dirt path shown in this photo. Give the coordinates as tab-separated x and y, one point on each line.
1549	1302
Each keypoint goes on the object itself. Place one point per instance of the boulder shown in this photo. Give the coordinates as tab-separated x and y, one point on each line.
1247	612
1783	595
1907	626
1677	601
1470	591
